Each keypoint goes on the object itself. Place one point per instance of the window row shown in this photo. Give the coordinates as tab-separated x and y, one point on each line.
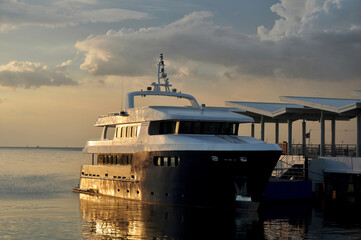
193	127
120	159
90	175
166	161
106	175
127	131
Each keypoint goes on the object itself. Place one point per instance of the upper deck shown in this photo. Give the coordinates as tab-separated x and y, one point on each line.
194	112
157	113
169	128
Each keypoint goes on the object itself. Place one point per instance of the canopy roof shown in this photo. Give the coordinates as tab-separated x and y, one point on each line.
281	112
344	107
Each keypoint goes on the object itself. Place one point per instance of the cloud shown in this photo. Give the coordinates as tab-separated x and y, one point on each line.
298	18
64	65
15	14
193	43
33	75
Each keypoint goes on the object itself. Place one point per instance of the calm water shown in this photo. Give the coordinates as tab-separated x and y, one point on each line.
36	202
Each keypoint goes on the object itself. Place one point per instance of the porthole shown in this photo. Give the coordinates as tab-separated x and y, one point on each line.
118	190
166	161
128	190
137	191
243	159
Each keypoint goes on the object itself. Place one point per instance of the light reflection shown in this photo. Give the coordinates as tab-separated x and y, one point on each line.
112	217
287	221
115	218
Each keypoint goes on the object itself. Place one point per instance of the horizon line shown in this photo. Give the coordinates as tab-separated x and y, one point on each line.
42	147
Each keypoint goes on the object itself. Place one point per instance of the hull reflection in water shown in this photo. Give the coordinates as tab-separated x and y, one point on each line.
113	218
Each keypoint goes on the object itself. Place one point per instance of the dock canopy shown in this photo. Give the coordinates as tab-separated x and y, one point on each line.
306	109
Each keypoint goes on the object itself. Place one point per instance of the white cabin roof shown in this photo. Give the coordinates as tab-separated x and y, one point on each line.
156	113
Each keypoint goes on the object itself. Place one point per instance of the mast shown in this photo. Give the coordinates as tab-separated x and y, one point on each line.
161	75
158	91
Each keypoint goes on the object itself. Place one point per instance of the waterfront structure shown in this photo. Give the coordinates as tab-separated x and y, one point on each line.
334	175
178	155
306	109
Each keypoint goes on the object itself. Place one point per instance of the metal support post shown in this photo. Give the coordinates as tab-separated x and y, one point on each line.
304	137
262	128
289	135
276	132
358	143
252	130
333	137
322	122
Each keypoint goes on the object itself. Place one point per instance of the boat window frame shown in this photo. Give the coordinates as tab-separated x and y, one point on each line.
127	131
163	127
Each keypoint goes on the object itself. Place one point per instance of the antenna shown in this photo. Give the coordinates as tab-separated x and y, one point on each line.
121	100
161	75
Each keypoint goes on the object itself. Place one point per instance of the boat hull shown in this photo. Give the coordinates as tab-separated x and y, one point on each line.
197	178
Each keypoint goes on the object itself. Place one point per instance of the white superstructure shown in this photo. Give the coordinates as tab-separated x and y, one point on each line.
137	122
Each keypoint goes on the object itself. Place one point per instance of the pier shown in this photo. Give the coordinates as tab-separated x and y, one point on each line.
306	170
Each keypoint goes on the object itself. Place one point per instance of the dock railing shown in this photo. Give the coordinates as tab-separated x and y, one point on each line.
290	166
314	150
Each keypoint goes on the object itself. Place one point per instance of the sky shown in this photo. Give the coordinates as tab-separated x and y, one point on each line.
65	62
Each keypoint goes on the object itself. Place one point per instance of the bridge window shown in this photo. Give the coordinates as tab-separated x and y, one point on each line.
193	127
127	131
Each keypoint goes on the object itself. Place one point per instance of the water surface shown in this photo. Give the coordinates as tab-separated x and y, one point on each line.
36	202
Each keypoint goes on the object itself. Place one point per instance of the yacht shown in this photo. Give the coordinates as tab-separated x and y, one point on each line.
189	155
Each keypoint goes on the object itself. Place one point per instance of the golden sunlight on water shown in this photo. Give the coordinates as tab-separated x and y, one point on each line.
114	218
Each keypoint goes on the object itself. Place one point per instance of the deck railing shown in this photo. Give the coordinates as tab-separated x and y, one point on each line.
314	150
291	165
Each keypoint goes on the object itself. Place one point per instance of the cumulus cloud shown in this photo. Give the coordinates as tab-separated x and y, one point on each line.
33	75
194	42
15	14
298	18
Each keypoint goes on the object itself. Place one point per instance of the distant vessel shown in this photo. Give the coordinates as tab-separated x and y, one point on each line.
177	155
